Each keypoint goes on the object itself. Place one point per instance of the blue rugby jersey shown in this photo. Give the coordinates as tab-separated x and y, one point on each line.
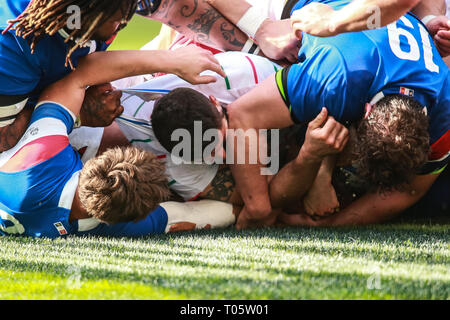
37	200
24	73
345	72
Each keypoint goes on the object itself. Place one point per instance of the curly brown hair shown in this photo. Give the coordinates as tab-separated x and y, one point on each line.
392	143
123	184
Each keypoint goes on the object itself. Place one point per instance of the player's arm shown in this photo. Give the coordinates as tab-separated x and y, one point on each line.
321	20
103	67
429	7
261	108
432	13
11	134
324	137
199	21
275	38
372	208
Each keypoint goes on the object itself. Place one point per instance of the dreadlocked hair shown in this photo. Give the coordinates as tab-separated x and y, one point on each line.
43	17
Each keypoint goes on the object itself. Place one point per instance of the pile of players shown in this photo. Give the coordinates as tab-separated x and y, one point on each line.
354	95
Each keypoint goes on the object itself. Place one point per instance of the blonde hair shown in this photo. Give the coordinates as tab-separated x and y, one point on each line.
123	184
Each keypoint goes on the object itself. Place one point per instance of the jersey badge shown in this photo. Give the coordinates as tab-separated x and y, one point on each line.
60	227
406	92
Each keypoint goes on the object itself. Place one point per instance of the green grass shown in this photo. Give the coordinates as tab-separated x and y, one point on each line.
402	261
138	33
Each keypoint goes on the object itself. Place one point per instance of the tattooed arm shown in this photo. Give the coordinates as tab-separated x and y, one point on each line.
275	37
197	20
223	188
11	134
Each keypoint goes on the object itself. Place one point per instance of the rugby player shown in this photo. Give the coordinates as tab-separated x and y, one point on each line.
346	74
134	126
200	23
46	192
320	19
38	46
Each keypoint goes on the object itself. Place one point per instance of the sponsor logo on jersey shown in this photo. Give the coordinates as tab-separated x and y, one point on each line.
60	227
406	92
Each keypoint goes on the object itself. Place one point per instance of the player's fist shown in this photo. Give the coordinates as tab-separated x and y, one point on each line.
317	19
439	29
101	106
277	40
325	136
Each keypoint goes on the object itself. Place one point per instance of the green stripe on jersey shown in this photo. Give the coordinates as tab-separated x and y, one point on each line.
279	79
438	171
227	81
138	109
141	140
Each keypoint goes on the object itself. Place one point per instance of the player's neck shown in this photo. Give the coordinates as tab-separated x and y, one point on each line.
77	211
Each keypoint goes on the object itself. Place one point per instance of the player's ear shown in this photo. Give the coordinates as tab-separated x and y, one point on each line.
368	111
214	101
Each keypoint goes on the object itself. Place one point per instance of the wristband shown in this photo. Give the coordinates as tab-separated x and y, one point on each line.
427	19
250	47
8	114
251	21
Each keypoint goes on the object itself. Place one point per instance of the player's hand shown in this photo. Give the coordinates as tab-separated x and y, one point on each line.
244	221
439	29
277	40
298	220
321	199
101	106
189	62
317	19
324	136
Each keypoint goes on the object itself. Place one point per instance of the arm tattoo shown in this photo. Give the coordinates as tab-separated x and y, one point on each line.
203	24
221	188
229	35
186	7
199	21
163	10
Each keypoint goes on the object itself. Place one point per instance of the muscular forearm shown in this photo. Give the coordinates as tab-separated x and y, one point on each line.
293	181
199	21
233	10
376	208
430	7
103	67
366	14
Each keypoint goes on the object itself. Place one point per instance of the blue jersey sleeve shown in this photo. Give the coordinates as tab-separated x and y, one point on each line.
55	111
19	69
154	223
318	81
